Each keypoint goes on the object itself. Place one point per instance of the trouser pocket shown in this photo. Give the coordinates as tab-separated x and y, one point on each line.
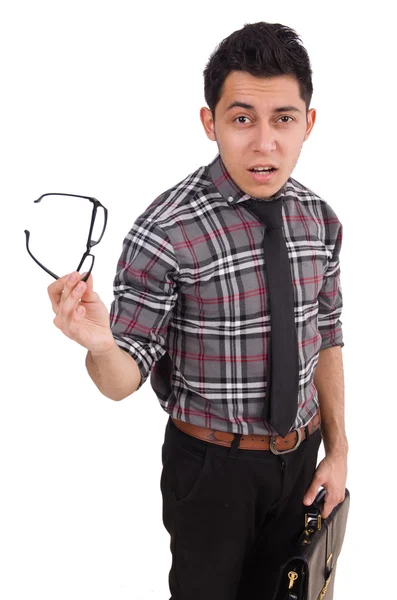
186	464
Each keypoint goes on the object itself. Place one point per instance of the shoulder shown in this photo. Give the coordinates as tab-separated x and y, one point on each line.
311	201
154	228
179	198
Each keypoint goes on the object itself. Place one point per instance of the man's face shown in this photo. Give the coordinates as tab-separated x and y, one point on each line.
271	132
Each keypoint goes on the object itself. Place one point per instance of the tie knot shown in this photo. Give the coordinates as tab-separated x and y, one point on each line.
268	211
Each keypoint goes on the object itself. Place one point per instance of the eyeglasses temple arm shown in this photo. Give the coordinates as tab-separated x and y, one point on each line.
27	233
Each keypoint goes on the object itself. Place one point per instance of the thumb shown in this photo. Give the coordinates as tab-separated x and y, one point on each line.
311	493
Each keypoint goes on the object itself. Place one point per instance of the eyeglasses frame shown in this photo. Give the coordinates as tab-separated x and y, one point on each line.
90	242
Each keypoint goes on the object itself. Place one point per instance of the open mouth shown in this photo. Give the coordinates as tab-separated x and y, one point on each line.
269	170
263	175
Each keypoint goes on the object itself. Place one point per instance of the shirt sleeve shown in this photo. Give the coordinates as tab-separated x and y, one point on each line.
330	300
145	292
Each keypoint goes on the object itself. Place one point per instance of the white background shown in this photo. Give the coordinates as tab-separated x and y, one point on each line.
103	98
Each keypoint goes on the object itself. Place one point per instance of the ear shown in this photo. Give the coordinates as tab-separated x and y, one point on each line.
208	123
311	119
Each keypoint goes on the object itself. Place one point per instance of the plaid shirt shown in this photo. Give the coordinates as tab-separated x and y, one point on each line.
191	304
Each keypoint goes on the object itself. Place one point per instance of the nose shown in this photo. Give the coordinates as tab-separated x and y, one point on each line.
264	138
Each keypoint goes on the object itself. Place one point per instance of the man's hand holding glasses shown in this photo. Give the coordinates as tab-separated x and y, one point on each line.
80	313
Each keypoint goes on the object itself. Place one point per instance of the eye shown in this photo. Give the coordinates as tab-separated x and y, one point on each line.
240	118
286	117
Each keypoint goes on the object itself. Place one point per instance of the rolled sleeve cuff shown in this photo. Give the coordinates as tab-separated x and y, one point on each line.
144	360
331	337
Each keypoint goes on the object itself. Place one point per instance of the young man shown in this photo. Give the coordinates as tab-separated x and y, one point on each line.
192	309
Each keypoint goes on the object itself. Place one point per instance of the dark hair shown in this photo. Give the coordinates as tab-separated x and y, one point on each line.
261	49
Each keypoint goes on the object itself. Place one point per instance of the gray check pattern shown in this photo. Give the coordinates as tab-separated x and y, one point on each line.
191	300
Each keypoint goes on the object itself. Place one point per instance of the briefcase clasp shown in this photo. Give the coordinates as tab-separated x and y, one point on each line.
310	518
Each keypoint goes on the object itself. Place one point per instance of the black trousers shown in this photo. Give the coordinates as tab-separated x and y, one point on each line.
232	520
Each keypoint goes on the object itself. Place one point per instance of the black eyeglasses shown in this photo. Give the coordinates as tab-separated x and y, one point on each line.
90	242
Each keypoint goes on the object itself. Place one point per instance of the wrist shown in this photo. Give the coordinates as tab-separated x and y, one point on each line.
106	350
337	449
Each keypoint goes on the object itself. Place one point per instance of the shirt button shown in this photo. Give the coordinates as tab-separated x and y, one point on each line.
230	198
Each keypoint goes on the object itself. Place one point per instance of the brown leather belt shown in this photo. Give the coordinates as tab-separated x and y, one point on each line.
276	443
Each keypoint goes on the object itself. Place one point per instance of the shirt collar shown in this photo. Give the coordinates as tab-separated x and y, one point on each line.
229	190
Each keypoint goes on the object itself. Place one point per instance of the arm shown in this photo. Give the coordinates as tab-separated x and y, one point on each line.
331	473
115	373
83	317
329	380
145	292
328	376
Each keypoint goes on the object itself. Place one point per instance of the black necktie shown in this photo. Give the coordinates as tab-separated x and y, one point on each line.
283	367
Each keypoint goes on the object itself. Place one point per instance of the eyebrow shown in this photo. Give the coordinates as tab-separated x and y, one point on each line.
279	109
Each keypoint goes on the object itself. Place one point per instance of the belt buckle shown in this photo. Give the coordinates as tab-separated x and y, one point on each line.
273	444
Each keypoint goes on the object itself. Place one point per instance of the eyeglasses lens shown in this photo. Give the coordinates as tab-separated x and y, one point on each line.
99	224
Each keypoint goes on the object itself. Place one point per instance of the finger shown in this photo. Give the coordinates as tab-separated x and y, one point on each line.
312	492
55	291
89	295
69	303
328	507
70	284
